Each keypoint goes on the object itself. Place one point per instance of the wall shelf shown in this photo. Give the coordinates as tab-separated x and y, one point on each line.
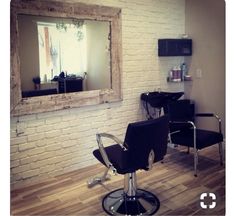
178	81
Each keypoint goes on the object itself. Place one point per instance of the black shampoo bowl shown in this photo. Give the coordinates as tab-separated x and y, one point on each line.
159	99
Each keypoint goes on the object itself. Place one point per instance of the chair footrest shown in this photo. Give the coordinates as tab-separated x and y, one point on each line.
118	203
96	180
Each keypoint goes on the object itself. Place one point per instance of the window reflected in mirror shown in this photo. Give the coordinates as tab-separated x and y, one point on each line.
63	55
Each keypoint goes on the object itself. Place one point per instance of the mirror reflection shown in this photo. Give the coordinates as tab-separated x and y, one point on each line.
63	55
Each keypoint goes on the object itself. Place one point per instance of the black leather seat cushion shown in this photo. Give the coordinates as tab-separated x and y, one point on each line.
117	157
204	138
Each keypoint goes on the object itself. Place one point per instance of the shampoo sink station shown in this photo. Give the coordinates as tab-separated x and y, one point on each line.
157	100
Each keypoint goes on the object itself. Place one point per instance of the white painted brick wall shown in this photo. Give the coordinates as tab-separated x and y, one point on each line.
52	143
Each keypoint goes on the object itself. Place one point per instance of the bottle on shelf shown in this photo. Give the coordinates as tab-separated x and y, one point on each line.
183	68
175	74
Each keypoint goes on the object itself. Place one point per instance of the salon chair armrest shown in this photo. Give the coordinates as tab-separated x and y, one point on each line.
102	149
204	114
112	137
210	115
183	123
193	127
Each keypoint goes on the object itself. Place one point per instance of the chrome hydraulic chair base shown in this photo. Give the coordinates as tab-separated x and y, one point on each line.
119	203
130	200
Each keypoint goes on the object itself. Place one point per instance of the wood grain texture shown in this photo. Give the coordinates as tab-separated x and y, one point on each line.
172	181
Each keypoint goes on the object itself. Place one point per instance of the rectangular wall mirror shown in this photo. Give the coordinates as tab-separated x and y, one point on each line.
63	55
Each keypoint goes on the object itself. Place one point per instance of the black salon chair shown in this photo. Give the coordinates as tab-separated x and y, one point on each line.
145	143
183	130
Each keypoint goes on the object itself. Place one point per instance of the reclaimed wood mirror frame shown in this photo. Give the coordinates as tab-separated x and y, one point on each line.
31	105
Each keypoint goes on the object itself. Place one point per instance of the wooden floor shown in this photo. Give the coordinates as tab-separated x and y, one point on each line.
173	182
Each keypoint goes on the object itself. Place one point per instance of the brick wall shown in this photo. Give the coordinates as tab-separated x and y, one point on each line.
52	143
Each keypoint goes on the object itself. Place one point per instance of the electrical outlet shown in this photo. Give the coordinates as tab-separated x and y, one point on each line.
199	73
